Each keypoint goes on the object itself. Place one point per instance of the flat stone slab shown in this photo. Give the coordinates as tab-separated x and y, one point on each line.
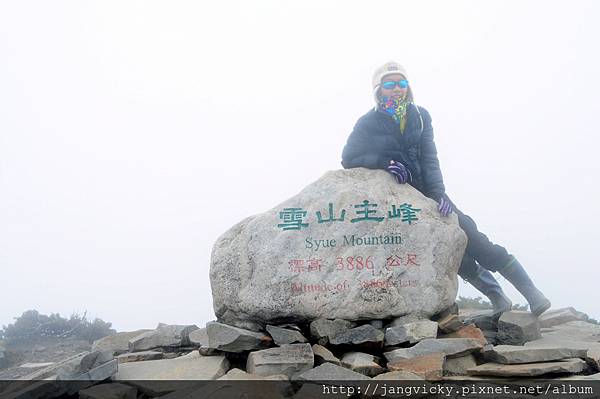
530	369
329	371
554	317
514	354
576	331
117	343
189	367
286	359
451	347
232	339
574	335
139	356
411	332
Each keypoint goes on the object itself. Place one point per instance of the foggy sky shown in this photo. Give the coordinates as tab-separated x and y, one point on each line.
134	133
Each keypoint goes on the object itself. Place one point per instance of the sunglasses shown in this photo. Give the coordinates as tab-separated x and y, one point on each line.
403	84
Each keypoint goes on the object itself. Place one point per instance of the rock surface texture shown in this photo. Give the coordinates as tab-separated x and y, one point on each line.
353	245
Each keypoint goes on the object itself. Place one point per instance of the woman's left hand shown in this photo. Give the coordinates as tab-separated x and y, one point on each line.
445	207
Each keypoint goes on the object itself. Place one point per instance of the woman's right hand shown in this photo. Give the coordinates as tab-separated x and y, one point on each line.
399	171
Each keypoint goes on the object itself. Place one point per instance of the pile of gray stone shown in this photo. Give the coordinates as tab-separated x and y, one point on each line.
448	346
2	354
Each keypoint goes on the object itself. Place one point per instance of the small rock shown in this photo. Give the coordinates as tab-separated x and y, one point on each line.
199	339
484	322
378	324
450	323
286	359
529	369
365	334
117	343
593	357
517	327
163	336
233	339
459	365
429	367
468	331
363	363
324	355
283	336
411	332
323	329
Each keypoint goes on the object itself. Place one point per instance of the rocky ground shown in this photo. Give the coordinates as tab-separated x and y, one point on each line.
560	344
30	353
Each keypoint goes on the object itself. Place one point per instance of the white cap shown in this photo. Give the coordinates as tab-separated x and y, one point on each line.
389	68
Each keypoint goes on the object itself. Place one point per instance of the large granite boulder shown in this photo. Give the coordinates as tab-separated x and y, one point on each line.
353	245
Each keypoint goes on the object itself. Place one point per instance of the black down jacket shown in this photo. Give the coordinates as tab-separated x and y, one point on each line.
376	139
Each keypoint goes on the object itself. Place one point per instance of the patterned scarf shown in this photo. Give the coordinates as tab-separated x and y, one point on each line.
396	108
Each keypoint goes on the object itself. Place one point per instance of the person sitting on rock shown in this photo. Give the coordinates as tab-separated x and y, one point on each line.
396	135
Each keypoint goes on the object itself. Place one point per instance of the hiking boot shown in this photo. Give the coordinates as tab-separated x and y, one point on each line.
516	274
485	283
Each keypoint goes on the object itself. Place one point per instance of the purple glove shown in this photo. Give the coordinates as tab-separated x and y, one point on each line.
399	171
445	207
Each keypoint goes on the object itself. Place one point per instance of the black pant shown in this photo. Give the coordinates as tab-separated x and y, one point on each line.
492	257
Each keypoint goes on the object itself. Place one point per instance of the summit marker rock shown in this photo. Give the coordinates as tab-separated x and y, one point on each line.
353	245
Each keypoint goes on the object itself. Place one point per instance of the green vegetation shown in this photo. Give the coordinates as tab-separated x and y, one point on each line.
31	325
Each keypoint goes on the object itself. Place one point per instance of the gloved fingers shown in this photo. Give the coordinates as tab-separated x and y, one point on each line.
445	207
400	178
400	172
396	167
